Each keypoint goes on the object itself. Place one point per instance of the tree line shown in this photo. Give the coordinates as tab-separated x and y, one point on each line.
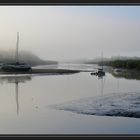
125	64
24	56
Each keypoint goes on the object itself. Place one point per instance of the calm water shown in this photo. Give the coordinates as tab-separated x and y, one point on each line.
25	100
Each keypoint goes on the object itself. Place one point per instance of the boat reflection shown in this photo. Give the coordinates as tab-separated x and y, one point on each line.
17	103
15	79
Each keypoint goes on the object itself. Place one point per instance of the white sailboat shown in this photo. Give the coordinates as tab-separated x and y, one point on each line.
17	66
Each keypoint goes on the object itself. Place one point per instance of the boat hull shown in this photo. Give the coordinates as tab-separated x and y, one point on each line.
13	68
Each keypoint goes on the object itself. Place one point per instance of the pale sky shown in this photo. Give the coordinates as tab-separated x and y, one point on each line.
71	32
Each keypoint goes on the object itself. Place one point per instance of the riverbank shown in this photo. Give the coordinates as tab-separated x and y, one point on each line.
42	71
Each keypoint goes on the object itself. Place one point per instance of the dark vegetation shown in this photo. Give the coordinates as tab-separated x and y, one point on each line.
132	63
125	64
25	57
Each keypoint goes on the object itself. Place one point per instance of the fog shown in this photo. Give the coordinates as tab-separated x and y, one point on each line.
71	32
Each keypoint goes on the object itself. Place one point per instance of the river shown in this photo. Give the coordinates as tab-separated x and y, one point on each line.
25	101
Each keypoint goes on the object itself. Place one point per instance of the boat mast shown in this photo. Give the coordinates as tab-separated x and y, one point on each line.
17	44
102	60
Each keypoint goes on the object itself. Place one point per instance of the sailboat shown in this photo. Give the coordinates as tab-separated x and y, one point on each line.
17	66
100	73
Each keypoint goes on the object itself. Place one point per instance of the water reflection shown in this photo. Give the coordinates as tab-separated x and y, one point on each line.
15	79
127	74
17	103
118	84
102	85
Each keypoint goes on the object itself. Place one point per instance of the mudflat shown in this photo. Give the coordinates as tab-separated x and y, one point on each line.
39	71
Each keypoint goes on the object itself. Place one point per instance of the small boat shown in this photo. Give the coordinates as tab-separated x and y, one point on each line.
17	66
99	73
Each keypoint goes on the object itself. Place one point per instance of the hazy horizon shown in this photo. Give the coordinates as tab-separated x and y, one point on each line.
71	32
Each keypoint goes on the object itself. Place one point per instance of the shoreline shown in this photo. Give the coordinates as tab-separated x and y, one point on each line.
42	71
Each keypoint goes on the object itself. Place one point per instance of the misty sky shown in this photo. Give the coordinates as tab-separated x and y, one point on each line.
71	32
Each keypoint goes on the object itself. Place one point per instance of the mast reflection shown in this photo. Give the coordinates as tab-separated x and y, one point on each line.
17	103
102	85
16	79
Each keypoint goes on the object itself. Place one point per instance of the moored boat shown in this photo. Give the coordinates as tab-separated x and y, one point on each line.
17	66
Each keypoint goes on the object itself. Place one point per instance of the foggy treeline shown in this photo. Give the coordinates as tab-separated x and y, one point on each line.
104	59
23	56
117	62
